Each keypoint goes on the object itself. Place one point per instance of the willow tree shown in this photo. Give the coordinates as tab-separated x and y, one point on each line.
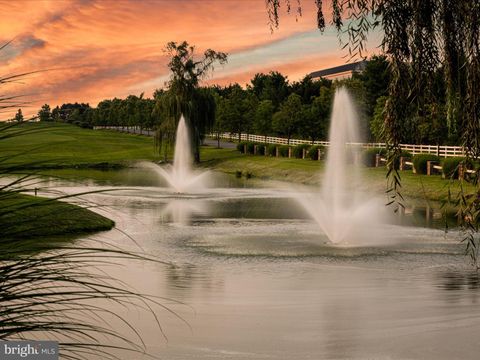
420	37
185	96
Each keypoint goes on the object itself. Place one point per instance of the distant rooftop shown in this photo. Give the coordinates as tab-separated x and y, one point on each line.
340	71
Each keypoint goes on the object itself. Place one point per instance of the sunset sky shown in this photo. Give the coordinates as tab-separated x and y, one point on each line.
98	49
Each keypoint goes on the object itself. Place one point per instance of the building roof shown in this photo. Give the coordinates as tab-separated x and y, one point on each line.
356	66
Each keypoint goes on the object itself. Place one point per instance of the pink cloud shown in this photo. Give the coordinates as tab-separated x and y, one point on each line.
103	49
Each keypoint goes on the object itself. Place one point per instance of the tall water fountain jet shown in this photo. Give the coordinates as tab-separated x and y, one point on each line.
343	214
181	177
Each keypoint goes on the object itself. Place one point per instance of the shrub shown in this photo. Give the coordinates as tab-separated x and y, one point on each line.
369	156
250	147
420	162
298	150
283	150
241	146
313	152
261	148
450	166
271	148
406	154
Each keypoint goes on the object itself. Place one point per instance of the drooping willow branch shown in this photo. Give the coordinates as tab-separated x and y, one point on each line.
420	37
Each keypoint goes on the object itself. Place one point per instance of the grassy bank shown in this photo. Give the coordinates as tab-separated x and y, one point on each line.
308	172
26	217
54	145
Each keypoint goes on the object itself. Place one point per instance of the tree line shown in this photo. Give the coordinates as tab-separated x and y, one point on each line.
271	105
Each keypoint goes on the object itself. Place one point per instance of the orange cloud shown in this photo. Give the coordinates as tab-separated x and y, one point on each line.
100	49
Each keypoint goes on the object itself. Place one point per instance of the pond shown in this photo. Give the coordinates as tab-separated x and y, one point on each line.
257	281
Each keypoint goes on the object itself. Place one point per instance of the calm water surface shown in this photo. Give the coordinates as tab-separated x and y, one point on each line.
257	280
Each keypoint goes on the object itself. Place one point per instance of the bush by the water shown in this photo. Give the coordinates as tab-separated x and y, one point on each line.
271	149
313	152
369	156
283	150
250	147
241	146
298	150
420	162
261	149
450	166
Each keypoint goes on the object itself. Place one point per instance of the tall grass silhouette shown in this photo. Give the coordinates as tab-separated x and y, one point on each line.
51	290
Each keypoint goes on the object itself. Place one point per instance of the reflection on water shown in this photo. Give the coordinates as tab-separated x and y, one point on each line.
452	281
181	211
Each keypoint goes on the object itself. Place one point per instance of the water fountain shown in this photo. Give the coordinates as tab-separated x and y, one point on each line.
181	177
343	213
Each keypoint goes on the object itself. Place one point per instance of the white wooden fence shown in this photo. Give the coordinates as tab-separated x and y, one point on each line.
127	129
441	151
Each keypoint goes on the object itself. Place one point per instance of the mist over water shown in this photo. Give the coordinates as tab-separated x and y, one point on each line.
181	177
344	215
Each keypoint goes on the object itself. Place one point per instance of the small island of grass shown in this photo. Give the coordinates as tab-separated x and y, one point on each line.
26	217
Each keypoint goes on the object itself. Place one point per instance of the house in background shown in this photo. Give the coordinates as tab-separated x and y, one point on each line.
340	72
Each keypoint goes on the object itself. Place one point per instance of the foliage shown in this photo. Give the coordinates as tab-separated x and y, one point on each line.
271	149
315	117
369	156
185	97
44	113
241	146
263	117
283	150
261	149
77	113
378	121
375	79
19	116
419	38
131	111
313	152
450	166
272	86
250	147
287	119
297	151
420	162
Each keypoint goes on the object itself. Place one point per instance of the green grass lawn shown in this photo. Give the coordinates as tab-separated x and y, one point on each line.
54	145
26	217
308	172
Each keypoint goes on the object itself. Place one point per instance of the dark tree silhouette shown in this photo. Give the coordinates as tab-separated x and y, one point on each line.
184	96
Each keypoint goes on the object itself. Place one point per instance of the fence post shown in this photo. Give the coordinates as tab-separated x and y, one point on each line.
430	167
289	152
254	149
245	148
461	172
304	151
277	152
319	154
377	160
